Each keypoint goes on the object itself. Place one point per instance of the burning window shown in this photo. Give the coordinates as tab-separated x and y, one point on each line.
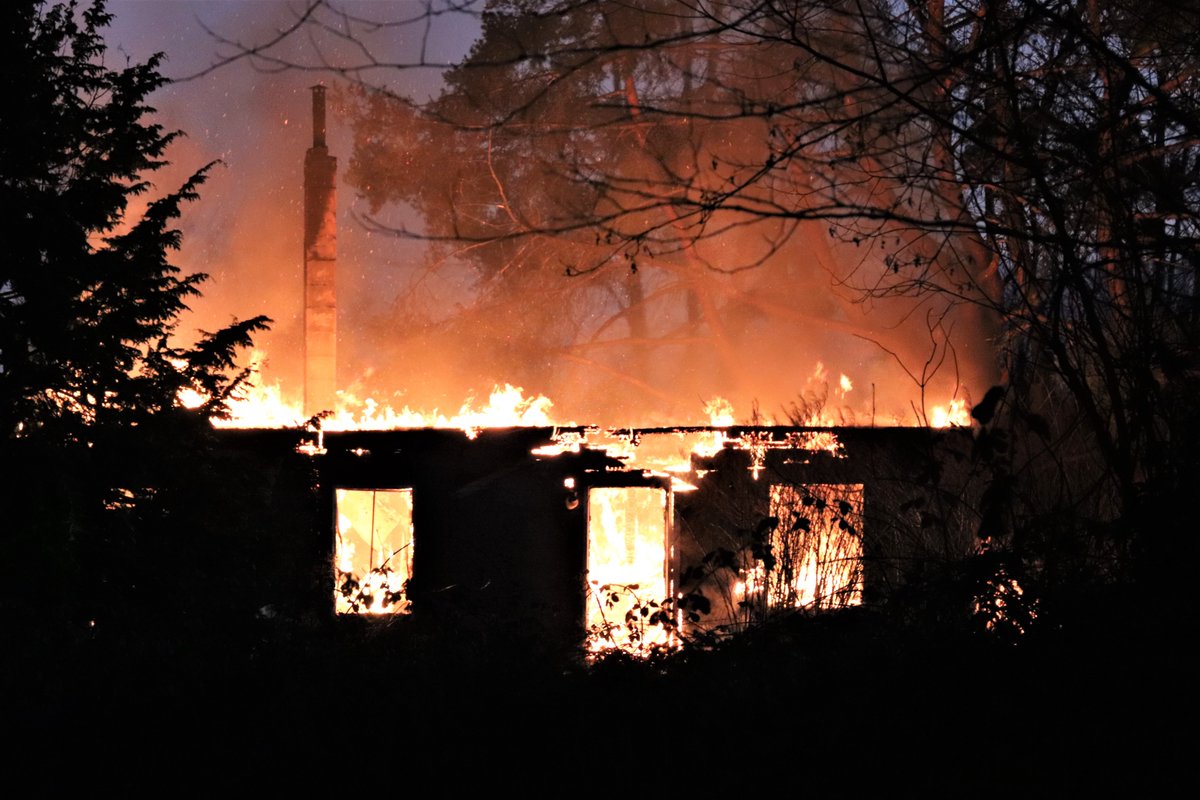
816	546
373	558
627	567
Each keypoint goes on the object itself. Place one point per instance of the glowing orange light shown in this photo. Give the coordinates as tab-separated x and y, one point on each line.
627	556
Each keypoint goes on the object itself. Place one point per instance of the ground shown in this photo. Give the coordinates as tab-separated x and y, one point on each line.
841	703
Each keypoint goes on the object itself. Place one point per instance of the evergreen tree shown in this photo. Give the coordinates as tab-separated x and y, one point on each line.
89	298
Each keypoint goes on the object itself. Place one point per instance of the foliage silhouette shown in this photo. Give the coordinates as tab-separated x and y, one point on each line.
117	477
89	299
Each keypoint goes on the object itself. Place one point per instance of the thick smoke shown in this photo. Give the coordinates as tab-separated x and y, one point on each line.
633	343
246	229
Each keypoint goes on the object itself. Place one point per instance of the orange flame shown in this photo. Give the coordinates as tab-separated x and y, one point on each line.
954	414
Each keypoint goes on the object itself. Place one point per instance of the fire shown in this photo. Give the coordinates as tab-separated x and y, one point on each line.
507	407
373	557
190	398
628	595
817	544
954	414
720	412
816	550
264	406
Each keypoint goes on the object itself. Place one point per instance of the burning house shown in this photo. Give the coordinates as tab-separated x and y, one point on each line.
628	538
634	537
623	537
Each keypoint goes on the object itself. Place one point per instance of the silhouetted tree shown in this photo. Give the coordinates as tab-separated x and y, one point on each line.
109	480
89	299
595	140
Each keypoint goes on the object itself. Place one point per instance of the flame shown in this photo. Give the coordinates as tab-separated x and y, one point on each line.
373	555
264	406
815	557
720	412
819	564
954	414
817	554
190	398
507	407
628	597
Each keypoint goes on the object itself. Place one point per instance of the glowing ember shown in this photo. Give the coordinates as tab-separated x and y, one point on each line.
1004	607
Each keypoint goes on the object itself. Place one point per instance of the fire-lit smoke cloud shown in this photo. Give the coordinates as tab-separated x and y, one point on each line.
246	229
421	326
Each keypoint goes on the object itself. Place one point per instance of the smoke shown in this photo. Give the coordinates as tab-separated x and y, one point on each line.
630	344
246	229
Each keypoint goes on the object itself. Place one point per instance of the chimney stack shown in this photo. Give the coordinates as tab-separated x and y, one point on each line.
318	98
320	267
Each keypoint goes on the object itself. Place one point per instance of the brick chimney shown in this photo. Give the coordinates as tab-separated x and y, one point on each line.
320	267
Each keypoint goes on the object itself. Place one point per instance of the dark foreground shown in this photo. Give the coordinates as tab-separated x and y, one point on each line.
1106	699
